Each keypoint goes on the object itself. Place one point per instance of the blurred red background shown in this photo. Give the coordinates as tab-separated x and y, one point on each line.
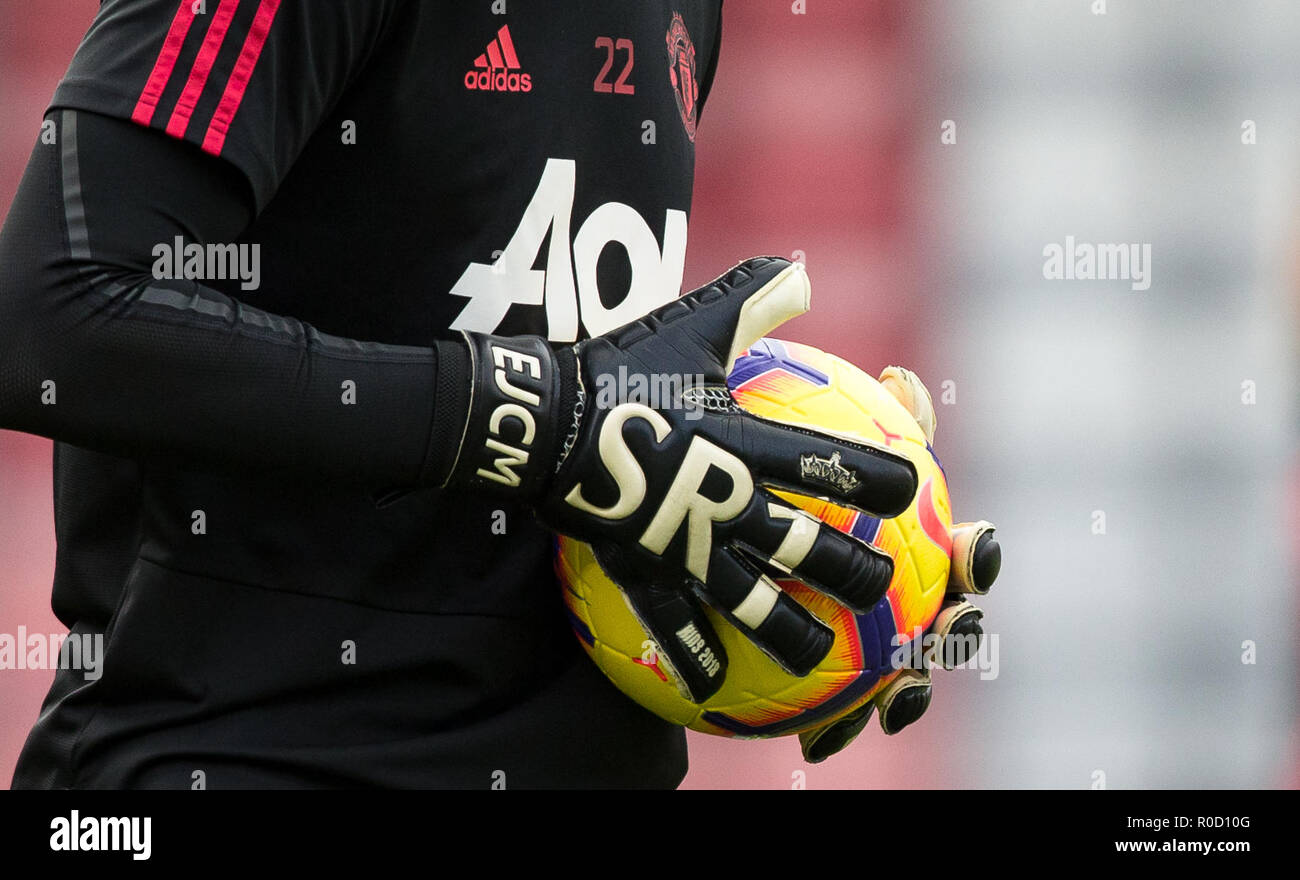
806	148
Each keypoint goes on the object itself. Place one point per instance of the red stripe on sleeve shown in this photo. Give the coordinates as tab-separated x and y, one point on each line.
165	63
180	118
237	85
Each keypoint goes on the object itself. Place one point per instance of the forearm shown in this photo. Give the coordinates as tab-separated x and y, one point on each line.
95	351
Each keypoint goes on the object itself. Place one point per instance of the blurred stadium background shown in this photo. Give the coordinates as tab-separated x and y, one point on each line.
1119	653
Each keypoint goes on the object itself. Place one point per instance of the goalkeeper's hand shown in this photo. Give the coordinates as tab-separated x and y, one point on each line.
956	632
673	494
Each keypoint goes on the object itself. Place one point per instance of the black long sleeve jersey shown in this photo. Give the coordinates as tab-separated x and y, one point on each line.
228	289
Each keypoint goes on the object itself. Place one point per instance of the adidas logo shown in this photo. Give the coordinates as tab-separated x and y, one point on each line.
497	69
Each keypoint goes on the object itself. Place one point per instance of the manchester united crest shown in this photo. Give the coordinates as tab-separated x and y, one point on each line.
681	70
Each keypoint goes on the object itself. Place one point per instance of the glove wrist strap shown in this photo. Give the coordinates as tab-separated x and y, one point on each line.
522	402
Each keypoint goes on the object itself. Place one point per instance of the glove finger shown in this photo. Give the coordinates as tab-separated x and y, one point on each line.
675	620
910	391
812	462
903	700
848	570
686	641
976	558
753	603
958	631
820	743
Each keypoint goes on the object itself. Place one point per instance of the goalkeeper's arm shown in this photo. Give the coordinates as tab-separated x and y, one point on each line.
96	352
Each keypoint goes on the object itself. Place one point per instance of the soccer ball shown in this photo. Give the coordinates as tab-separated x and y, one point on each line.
799	384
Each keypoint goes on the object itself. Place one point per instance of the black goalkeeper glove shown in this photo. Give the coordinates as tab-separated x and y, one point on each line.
672	494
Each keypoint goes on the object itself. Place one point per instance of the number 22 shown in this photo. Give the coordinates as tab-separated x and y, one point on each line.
620	86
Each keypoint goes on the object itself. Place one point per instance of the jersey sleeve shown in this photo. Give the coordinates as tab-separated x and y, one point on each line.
246	80
97	352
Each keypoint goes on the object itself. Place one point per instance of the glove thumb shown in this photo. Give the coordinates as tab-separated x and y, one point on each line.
747	303
725	316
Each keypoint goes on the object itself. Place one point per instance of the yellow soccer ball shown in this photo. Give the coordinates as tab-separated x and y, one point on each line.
794	383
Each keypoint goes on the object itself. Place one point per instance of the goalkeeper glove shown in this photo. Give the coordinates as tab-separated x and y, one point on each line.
673	495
